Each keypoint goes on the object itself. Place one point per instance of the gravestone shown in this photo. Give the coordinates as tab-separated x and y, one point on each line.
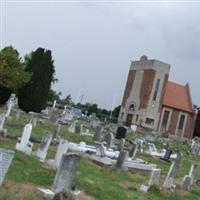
168	183
10	104
123	155
2	121
134	150
109	140
101	150
72	126
167	155
121	144
62	149
77	128
6	157
23	143
153	180
188	180
98	133
66	172
121	132
57	131
44	146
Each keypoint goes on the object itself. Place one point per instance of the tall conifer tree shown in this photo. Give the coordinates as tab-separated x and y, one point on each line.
33	96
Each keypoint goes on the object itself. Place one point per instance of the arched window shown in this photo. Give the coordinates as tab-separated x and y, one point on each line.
132	107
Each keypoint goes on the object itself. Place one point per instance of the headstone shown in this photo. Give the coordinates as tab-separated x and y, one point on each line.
167	155
98	133
2	121
121	144
62	149
101	150
72	127
54	106
123	155
10	104
44	146
109	140
6	157
121	132
153	180
133	150
65	175
57	131
168	183
77	128
155	177
186	184
188	180
23	143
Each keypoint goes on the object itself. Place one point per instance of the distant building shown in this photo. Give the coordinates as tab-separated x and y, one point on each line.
153	102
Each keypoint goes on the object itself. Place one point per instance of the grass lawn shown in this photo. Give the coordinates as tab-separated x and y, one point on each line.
97	182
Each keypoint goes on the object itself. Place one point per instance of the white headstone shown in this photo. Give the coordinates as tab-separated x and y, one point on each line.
2	121
23	144
6	157
44	146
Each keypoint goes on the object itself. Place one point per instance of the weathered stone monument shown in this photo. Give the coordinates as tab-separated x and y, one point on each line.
188	180
134	150
72	126
61	149
169	181
2	121
57	131
123	155
98	134
153	180
23	143
6	157
121	144
65	175
44	146
109	140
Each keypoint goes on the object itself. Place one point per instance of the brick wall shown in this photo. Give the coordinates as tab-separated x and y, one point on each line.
129	83
146	87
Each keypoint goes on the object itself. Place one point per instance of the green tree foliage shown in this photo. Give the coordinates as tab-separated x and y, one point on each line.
33	95
68	100
12	74
52	95
116	111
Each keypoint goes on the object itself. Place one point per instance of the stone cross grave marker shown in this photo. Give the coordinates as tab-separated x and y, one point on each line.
44	146
168	183
6	157
23	143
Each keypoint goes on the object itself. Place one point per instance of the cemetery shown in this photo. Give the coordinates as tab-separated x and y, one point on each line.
62	154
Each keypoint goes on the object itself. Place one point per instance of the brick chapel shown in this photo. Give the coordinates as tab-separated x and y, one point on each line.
152	101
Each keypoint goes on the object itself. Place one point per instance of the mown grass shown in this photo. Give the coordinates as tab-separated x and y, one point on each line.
26	173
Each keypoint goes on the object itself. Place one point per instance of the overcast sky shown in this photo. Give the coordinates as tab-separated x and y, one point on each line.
93	43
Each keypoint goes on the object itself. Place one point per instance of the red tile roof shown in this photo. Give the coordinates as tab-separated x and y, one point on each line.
177	96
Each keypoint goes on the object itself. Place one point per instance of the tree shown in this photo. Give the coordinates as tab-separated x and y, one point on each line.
116	111
68	100
12	74
34	94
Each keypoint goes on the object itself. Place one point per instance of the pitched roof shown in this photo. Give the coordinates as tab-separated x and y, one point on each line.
177	96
